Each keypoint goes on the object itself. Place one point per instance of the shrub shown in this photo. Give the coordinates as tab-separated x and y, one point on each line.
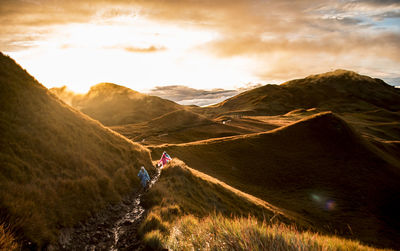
170	213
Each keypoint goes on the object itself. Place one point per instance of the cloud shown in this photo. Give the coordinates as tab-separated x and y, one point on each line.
189	96
379	2
181	92
271	33
149	49
357	45
136	49
388	14
45	12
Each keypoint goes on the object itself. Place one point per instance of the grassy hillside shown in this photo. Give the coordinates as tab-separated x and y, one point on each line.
339	91
183	126
193	211
185	191
57	165
177	120
376	124
199	194
113	104
317	167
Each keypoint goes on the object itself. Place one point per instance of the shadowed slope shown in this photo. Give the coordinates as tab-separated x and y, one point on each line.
190	210
182	190
317	167
57	165
113	104
337	91
200	194
379	124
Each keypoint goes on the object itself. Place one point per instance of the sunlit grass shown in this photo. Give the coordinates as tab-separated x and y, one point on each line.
217	232
7	240
189	210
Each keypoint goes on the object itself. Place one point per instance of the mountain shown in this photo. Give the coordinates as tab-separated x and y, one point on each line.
338	91
113	104
58	166
318	167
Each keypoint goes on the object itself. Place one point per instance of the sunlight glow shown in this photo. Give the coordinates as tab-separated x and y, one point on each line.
210	44
136	53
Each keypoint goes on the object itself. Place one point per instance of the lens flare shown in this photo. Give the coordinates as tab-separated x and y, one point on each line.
324	202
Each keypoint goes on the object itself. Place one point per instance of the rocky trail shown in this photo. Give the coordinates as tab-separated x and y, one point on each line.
115	228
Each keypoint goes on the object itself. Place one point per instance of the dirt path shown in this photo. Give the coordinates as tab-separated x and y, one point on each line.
115	228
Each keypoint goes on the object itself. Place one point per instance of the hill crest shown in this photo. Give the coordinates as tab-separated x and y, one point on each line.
338	91
113	104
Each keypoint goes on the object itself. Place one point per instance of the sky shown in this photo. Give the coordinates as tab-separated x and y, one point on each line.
158	46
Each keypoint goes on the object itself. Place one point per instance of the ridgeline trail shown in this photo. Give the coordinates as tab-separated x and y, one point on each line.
114	228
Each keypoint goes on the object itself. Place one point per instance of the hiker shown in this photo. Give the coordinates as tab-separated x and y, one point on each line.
144	176
165	158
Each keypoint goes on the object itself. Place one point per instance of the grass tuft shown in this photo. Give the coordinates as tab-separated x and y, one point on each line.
154	240
152	222
7	240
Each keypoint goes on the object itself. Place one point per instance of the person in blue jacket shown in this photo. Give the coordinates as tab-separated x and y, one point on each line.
144	176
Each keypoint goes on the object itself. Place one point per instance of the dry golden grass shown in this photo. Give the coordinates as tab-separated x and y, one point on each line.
216	232
318	168
182	190
200	194
7	240
190	210
58	166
